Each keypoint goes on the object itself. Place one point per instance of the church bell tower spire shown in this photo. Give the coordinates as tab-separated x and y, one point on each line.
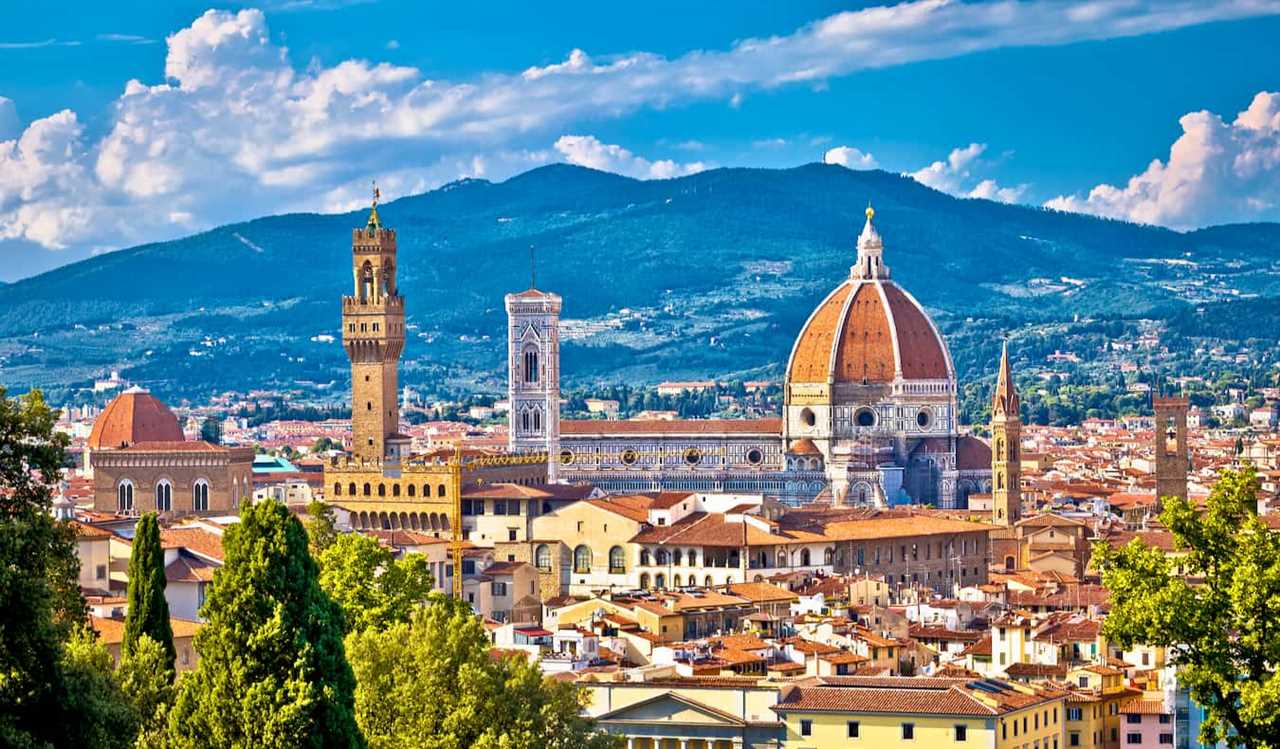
1006	438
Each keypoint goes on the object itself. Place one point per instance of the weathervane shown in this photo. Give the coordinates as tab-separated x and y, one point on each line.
376	193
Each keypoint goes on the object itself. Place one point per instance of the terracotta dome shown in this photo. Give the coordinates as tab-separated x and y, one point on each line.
869	329
134	416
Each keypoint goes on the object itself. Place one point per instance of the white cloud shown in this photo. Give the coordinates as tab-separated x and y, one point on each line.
769	143
958	175
588	151
393	44
1217	172
235	130
849	157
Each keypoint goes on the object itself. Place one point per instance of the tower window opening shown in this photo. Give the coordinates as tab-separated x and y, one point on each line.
531	366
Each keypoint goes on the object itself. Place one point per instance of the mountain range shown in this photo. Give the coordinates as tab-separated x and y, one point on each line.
705	275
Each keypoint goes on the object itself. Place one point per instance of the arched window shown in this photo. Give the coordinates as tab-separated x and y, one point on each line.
395	490
675	581
366	282
382	490
804	557
617	560
337	488
524	420
368	490
661	556
660	581
644	558
531	365
412	490
708	582
351	488
124	496
440	490
537	420
693	559
542	558
675	557
200	496
582	559
828	555
644	581
164	496
782	559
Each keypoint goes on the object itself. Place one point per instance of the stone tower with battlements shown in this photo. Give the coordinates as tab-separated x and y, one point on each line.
373	336
1006	438
533	382
1172	461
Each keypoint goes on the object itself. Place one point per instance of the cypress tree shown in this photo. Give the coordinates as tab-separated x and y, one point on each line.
272	672
148	609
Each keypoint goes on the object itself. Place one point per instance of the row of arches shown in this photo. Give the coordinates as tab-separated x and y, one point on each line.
369	490
400	521
162	495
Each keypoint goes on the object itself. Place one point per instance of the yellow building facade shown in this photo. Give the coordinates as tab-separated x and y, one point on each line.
886	712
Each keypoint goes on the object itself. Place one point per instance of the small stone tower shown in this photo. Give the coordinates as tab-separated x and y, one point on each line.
1006	437
373	336
1172	462
533	382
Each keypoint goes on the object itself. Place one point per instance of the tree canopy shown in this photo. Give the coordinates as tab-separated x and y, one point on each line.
272	669
1214	606
432	682
321	526
40	601
373	588
148	610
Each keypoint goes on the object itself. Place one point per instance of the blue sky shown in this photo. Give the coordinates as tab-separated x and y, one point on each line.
264	107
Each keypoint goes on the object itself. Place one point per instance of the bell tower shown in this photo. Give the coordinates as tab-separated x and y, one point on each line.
373	336
533	367
1172	462
1006	438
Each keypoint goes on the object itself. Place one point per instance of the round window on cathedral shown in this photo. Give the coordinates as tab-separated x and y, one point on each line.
808	418
754	456
693	456
566	457
629	457
865	417
924	418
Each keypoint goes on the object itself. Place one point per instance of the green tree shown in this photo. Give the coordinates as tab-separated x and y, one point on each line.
432	683
148	610
103	716
146	680
272	670
40	601
1221	633
373	588
321	526
211	430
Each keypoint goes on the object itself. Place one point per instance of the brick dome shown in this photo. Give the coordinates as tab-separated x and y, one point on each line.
134	416
869	330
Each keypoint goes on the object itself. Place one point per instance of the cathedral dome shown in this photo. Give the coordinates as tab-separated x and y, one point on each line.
134	416
869	330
